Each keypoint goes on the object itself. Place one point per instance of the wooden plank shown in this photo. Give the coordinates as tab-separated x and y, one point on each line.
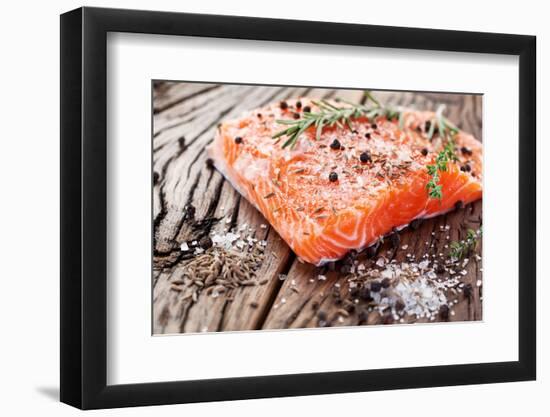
183	126
303	296
212	197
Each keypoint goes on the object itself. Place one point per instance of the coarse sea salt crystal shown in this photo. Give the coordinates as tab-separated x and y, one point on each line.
198	251
184	247
321	277
380	261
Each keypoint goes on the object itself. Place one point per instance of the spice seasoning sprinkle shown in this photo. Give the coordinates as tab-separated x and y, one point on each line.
283	105
333	177
238	140
221	263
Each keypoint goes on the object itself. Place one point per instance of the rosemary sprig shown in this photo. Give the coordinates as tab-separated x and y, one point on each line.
460	249
329	115
447	131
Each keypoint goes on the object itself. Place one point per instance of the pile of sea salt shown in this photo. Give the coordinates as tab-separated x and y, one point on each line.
415	290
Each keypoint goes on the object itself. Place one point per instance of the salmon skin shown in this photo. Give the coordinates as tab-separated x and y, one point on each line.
347	188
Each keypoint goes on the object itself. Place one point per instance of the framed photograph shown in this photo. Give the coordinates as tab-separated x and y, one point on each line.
258	208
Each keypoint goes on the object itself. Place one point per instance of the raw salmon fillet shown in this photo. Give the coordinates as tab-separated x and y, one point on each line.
325	200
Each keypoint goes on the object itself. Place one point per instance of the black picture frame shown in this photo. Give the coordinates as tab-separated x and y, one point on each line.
84	209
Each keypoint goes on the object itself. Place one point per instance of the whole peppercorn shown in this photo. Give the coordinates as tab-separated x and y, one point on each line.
283	105
335	144
333	177
444	312
365	294
307	109
365	157
367	135
363	316
350	308
296	116
238	140
399	305
375	286
298	104
424	151
468	290
206	242
395	239
374	126
427	125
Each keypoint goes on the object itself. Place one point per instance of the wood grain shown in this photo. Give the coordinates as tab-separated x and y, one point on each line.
190	200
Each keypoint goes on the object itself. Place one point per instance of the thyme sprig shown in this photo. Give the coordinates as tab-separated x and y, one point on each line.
447	131
460	249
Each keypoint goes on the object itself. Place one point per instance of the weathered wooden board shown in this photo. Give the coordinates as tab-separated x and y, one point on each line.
185	119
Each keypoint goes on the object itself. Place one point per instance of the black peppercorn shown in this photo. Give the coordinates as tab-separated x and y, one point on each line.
466	168
373	250
444	312
365	157
375	286
468	290
395	239
365	294
206	242
296	115
333	176
298	104
427	125
374	126
367	135
284	105
350	308
335	144
424	151
363	316
238	140
399	305
307	109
